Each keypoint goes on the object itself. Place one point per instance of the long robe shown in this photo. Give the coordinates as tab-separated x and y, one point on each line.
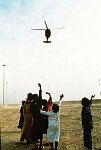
87	124
37	127
27	127
53	131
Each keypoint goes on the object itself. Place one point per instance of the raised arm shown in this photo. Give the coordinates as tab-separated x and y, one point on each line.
40	95
40	90
61	96
91	99
47	113
49	95
49	102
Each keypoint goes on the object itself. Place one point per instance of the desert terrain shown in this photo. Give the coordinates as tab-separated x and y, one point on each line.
71	137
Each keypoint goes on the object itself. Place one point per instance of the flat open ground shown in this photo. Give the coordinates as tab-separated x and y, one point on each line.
71	137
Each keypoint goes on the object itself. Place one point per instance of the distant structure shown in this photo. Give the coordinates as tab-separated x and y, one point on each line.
4	84
99	86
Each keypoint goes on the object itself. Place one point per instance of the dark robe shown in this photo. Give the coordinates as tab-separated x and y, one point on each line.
45	118
21	121
37	128
87	124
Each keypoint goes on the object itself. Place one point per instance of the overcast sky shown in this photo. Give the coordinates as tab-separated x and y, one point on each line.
70	64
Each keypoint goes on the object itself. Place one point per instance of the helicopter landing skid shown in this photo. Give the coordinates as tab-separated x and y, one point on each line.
47	41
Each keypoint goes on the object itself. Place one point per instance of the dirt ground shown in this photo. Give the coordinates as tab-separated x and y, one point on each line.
71	137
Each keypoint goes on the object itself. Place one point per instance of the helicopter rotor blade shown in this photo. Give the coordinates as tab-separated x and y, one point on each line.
38	29
46	24
58	28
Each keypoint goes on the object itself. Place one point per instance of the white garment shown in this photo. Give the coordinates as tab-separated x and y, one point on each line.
53	131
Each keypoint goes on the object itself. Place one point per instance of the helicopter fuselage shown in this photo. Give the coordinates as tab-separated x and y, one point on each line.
47	33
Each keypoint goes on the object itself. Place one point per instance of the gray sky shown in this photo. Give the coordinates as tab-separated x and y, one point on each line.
71	64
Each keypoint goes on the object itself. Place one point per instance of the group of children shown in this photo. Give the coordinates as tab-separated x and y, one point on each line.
38	117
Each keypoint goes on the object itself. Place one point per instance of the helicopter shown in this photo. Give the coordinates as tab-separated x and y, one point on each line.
47	32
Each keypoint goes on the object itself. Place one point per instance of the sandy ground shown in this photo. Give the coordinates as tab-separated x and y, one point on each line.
71	131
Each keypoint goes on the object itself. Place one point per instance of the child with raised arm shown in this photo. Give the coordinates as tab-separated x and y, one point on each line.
37	133
87	122
53	131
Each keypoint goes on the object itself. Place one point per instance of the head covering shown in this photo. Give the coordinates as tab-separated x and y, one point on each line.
85	102
29	96
55	108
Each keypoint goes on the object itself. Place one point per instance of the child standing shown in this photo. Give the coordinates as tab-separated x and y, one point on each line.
21	121
87	122
37	132
27	126
53	131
